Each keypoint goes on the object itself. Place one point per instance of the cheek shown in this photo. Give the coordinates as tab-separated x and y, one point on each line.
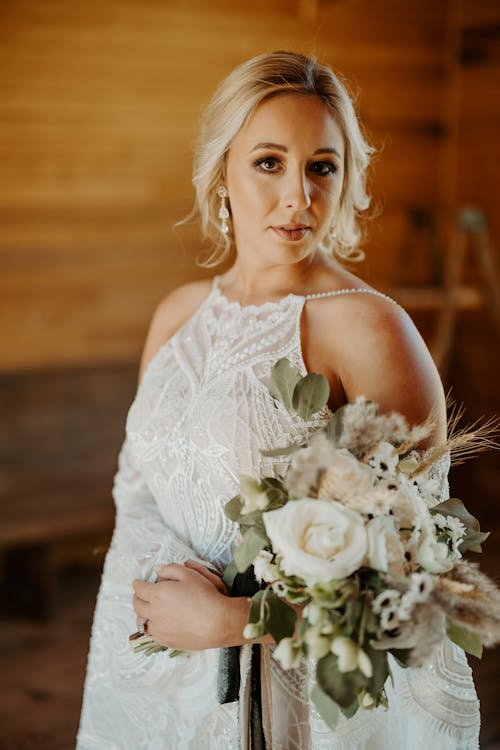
249	196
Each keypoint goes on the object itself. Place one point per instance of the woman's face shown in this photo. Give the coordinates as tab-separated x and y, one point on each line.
284	175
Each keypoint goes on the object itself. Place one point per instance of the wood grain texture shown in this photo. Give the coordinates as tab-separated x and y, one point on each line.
98	115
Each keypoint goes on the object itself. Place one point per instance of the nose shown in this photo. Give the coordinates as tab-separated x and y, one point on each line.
296	190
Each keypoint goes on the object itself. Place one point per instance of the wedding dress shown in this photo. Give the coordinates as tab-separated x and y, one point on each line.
199	419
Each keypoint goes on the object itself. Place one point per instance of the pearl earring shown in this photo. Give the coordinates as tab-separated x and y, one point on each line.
223	210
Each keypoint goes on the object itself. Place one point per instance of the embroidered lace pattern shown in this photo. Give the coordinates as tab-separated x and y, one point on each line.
199	419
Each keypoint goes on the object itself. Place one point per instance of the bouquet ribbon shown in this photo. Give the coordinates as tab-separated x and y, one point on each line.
241	673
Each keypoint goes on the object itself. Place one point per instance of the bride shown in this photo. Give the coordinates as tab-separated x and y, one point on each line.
280	182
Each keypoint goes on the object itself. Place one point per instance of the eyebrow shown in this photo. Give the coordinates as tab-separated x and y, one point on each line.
279	147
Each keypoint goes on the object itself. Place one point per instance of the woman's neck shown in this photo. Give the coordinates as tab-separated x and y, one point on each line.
249	284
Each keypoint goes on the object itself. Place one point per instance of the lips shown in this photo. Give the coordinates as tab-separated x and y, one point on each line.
291	232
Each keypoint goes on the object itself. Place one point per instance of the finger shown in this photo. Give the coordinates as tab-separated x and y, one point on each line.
143	589
171	571
208	574
142	608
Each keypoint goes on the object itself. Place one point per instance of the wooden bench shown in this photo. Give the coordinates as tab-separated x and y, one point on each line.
59	441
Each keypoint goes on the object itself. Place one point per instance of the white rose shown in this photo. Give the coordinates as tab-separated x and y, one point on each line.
348	476
318	540
287	653
385	551
252	495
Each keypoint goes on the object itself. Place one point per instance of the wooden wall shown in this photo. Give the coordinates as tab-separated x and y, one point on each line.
98	114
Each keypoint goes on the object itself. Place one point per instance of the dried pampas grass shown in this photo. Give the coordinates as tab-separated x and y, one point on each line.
472	599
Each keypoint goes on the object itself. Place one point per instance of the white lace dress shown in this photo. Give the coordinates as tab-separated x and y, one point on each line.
199	418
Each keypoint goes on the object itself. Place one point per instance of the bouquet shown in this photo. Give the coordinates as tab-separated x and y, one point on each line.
357	535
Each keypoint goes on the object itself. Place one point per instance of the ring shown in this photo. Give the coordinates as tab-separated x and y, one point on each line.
141	629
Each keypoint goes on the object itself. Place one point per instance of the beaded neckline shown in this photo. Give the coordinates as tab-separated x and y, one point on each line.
273	304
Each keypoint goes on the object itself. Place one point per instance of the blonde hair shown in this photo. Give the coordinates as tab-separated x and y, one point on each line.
250	84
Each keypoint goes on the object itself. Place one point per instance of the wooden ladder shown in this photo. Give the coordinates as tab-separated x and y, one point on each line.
452	295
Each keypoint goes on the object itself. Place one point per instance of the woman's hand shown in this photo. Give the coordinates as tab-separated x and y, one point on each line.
189	608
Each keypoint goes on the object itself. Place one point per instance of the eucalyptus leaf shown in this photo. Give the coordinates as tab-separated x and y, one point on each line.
335	426
310	395
342	687
380	667
407	466
455	507
286	450
401	655
472	541
279	618
325	706
284	378
473	534
245	554
275	490
349	711
230	573
233	507
465	638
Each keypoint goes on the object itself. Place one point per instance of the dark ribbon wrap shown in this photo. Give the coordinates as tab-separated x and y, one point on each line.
228	676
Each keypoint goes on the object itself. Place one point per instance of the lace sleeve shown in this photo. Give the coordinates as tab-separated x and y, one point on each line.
140	527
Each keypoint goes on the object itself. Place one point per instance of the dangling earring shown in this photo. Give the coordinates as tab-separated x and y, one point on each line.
223	210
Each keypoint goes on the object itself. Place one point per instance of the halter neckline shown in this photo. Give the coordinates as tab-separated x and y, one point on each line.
270	304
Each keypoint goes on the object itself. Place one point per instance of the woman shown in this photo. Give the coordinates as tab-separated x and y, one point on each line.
280	177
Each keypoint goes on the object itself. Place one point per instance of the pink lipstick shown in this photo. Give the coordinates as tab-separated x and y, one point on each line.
291	232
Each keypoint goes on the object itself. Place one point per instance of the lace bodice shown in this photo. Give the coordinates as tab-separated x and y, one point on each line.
200	418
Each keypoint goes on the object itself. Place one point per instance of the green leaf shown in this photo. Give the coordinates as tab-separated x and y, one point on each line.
465	638
342	687
287	450
349	711
325	706
279	618
401	655
284	378
229	575
335	426
380	670
232	509
310	395
473	534
407	466
245	554
472	541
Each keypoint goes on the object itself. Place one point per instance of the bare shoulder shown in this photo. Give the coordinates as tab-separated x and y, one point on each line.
171	313
375	350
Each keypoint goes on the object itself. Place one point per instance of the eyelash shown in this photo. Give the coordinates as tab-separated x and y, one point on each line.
331	167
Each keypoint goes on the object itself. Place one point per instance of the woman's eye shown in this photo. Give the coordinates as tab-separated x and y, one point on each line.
268	164
324	168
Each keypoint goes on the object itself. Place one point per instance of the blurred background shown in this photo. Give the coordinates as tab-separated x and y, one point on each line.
99	108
